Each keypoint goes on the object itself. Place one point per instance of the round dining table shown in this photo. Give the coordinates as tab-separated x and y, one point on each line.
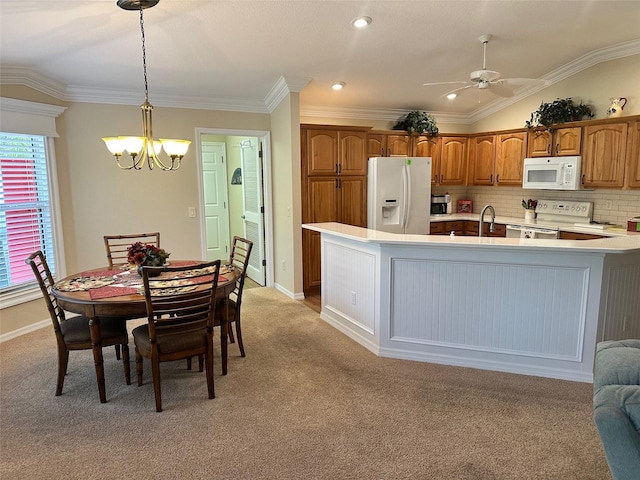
128	303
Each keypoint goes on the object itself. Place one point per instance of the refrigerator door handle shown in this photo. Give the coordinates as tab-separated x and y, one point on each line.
406	192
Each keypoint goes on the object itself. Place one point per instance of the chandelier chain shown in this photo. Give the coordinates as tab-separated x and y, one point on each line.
144	57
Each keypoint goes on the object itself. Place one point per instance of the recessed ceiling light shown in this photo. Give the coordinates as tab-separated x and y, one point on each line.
338	85
361	22
451	96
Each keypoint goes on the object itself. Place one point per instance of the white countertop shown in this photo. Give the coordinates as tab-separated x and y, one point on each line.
616	244
564	227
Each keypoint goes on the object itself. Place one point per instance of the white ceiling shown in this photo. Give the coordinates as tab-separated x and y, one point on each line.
232	53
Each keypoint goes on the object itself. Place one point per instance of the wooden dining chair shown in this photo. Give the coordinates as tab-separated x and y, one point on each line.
117	245
229	310
180	315
73	333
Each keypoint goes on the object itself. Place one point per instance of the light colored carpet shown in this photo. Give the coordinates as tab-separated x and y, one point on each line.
306	403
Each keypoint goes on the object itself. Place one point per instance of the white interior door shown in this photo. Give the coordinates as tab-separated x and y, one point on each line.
253	203
216	211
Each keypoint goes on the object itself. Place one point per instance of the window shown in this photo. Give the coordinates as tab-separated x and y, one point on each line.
29	205
25	209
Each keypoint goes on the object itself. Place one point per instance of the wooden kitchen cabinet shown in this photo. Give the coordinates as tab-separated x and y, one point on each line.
333	152
511	149
334	186
560	142
453	161
632	168
424	146
498	159
579	236
472	228
603	155
482	159
380	144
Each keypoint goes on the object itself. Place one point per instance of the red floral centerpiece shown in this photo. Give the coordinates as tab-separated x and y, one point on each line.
146	254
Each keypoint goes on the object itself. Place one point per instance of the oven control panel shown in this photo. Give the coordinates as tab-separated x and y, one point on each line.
565	210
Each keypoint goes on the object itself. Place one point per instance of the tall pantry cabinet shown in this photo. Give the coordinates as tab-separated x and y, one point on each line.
334	186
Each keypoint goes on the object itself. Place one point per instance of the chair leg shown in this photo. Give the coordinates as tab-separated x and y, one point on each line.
189	363
125	363
155	368
209	361
139	367
239	335
231	337
117	347
200	363
63	360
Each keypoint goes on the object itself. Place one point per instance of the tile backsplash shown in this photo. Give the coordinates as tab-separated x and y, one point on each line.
507	200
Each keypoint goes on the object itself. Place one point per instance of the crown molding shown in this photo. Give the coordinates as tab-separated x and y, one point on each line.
282	88
379	114
31	108
25	76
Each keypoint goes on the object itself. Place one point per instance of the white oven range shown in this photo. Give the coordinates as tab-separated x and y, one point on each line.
553	212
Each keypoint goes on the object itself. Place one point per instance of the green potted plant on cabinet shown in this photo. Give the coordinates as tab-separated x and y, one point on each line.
560	110
417	122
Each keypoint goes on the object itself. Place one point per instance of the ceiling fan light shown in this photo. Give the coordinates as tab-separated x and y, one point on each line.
451	96
361	22
338	85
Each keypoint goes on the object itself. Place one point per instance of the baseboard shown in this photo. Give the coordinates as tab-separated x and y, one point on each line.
24	330
291	295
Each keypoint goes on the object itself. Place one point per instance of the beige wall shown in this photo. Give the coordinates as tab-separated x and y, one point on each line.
444	127
287	207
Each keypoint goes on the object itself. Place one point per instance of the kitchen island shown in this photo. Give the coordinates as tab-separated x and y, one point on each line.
529	306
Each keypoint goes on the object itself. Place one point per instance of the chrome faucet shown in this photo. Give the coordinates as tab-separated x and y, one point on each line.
492	225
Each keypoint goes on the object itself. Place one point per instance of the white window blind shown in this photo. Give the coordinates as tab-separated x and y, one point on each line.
25	209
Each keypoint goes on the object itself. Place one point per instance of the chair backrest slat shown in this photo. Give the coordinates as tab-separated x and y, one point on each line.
180	300
41	271
239	259
117	245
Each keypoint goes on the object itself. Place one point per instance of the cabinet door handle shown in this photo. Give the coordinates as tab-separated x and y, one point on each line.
339	183
548	148
336	183
336	170
441	178
382	152
557	148
388	152
583	179
339	168
497	178
491	179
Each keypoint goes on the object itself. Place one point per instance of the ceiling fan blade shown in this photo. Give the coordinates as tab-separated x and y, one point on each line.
460	89
443	83
501	90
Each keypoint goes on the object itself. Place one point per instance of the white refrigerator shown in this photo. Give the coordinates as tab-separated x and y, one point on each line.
399	194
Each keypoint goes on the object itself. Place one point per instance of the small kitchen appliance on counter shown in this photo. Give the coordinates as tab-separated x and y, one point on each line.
441	204
553	211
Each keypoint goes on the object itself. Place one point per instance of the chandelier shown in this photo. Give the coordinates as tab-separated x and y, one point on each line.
145	149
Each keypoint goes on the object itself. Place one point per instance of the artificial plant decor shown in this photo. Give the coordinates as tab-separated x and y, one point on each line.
560	110
418	122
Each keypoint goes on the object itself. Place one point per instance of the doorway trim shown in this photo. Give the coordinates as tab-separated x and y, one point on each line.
263	136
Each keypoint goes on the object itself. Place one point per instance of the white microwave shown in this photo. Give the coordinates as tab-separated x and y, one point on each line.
552	173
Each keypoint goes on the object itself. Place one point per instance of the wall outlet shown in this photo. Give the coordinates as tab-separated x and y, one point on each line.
192	212
608	204
353	298
284	265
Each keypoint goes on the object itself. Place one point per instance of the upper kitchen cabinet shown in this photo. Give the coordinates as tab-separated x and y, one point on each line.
603	155
560	142
632	170
497	159
453	161
424	146
336	152
383	144
482	154
511	148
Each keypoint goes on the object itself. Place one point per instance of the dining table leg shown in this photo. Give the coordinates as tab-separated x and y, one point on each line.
96	346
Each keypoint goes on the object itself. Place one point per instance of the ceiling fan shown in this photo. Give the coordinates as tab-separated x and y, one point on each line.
488	79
